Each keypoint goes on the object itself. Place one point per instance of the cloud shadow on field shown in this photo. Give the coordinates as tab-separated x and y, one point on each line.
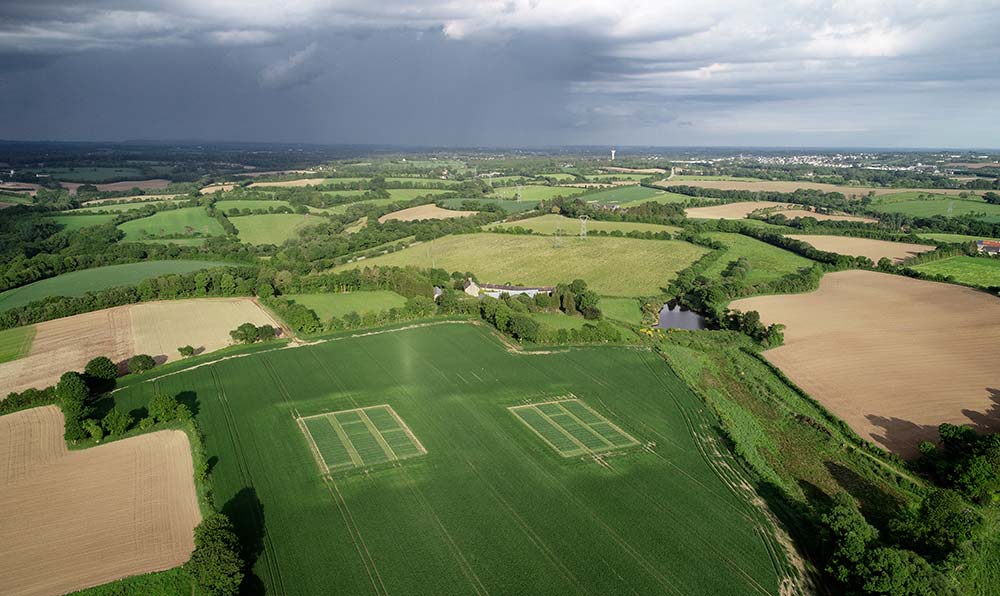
247	514
903	436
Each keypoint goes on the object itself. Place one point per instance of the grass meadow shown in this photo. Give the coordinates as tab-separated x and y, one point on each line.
16	343
942	237
767	262
185	221
272	228
536	192
624	194
938	205
610	266
79	283
627	310
548	223
72	223
662	197
408	194
974	271
119	207
241	204
338	305
490	507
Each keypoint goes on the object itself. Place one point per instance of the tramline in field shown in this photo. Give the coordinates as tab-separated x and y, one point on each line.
571	428
358	438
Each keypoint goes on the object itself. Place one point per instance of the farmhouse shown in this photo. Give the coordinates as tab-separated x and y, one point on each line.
494	290
988	247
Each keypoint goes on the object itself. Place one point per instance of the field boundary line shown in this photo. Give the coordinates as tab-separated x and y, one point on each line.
559	428
406	429
605	420
587	427
352	451
313	447
538	434
377	434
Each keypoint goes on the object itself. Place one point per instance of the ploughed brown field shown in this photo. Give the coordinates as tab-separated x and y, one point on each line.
793	213
864	247
424	212
892	356
791	186
23	187
733	210
154	184
75	519
130	199
154	328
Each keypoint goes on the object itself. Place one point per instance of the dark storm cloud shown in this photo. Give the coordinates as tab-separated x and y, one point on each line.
509	72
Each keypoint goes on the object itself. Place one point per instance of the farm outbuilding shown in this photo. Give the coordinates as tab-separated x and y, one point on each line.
496	290
988	247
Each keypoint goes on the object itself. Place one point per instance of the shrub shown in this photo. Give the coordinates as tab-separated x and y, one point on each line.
141	363
163	408
116	422
102	368
186	351
93	428
216	566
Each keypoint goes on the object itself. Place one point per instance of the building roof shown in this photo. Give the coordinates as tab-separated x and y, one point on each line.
988	244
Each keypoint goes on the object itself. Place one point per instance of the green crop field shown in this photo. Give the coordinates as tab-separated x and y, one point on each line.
559	176
626	310
79	283
610	266
536	192
623	194
369	203
449	485
661	197
186	221
975	271
177	241
941	205
338	305
507	206
940	237
548	223
766	261
408	194
272	228
119	207
618	176
503	179
70	223
344	193
16	343
241	204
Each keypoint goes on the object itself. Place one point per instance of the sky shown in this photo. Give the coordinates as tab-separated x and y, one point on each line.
525	73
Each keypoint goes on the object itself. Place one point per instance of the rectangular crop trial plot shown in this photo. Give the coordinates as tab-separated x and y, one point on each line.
359	437
571	428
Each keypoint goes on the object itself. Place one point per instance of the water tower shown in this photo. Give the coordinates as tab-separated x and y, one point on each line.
612	155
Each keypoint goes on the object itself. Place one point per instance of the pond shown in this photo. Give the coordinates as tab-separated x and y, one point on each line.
679	318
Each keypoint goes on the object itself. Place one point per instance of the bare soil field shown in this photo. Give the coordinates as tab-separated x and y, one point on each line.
892	356
424	212
793	213
154	328
75	519
214	187
974	165
733	210
292	183
864	247
786	186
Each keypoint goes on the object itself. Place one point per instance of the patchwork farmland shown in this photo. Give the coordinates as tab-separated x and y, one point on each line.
488	495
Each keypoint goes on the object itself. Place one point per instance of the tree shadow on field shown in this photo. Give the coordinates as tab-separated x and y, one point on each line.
875	503
189	399
903	437
247	514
